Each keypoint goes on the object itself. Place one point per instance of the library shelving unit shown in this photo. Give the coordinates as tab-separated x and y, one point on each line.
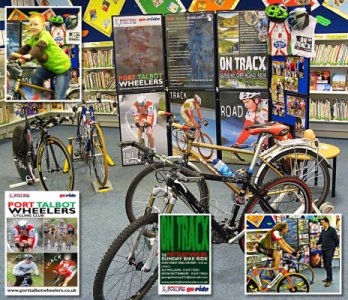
328	111
99	81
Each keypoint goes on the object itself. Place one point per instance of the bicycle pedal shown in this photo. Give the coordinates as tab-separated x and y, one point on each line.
216	238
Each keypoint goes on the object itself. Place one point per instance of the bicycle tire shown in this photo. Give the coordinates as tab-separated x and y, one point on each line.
306	270
250	205
61	159
180	137
305	286
138	290
280	162
98	149
143	184
202	139
251	285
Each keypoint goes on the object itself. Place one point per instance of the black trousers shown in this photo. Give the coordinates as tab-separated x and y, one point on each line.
327	258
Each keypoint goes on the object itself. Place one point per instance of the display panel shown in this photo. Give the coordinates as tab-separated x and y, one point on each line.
236	112
185	105
242	49
190	50
138	46
139	122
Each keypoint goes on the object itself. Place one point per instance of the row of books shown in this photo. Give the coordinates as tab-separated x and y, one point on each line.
329	110
104	107
4	114
102	80
98	58
330	54
2	38
329	81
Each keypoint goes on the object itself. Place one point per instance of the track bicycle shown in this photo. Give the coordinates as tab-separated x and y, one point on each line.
294	266
57	281
293	157
17	90
90	143
285	281
135	249
45	153
200	137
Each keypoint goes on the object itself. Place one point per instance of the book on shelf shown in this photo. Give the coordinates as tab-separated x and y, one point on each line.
313	81
98	58
103	80
329	110
330	54
323	80
338	81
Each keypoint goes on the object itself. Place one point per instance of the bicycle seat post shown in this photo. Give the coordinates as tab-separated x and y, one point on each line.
257	152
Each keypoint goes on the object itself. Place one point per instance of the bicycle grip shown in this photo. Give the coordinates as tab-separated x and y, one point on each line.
166	113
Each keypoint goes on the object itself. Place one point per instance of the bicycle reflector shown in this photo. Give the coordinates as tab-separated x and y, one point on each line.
276	13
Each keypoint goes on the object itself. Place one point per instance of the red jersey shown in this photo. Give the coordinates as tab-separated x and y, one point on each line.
143	112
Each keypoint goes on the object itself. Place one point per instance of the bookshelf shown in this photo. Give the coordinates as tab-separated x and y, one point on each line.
328	112
99	80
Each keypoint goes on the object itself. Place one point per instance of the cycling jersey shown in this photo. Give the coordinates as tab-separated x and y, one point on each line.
23	268
188	105
143	112
278	39
26	233
276	237
302	41
62	228
69	269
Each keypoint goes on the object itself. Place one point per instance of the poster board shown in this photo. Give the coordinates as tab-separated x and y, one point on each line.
160	6
339	7
242	50
213	5
190	50
138	47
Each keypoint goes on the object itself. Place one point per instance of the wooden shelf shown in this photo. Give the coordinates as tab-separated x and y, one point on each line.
329	92
98	68
328	66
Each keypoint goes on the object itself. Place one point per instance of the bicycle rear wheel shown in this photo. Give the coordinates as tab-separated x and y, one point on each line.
120	277
284	195
181	140
206	153
304	269
51	157
98	150
299	283
20	148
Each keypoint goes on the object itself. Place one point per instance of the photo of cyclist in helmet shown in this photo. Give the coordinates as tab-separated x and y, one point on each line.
187	111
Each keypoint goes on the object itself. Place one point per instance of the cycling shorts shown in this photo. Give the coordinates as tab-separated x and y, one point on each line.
267	252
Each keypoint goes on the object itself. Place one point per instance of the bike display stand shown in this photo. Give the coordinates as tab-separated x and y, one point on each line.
23	183
101	189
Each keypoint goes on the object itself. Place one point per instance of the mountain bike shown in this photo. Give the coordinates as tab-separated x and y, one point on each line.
45	153
90	144
17	90
26	280
285	281
294	266
295	157
200	137
135	249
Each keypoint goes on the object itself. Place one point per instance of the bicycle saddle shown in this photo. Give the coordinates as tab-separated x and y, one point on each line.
273	128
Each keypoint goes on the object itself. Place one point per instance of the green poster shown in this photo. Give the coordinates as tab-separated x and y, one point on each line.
185	255
160	6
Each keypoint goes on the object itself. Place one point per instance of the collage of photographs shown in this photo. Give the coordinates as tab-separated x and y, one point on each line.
164	149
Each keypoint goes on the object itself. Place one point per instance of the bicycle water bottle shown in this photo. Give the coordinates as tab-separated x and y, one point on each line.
222	168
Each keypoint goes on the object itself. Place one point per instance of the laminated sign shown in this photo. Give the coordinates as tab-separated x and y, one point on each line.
185	255
42	243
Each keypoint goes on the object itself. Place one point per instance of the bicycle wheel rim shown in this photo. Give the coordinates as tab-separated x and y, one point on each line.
98	149
52	155
299	283
205	153
303	169
181	140
111	282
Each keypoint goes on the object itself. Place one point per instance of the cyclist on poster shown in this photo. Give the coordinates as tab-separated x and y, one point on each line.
67	268
187	111
23	269
25	236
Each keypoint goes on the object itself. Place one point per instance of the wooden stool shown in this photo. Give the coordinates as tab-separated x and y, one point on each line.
331	152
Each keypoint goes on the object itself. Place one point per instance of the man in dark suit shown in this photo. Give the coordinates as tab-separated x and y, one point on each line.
329	241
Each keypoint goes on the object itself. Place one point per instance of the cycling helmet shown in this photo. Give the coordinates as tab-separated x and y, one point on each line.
248	95
27	256
298	18
22	224
67	257
61	221
198	99
71	22
56	21
141	100
277	13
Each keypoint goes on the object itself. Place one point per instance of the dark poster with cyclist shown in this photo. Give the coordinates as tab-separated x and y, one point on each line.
190	50
42	243
139	121
185	255
238	110
197	109
242	49
40	60
138	46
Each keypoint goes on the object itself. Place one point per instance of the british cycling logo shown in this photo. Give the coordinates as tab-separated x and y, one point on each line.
70	195
173	288
19	195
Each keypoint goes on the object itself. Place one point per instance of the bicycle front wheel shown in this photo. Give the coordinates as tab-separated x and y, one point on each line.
283	195
120	274
304	269
293	283
98	150
206	153
251	285
51	157
181	140
303	163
